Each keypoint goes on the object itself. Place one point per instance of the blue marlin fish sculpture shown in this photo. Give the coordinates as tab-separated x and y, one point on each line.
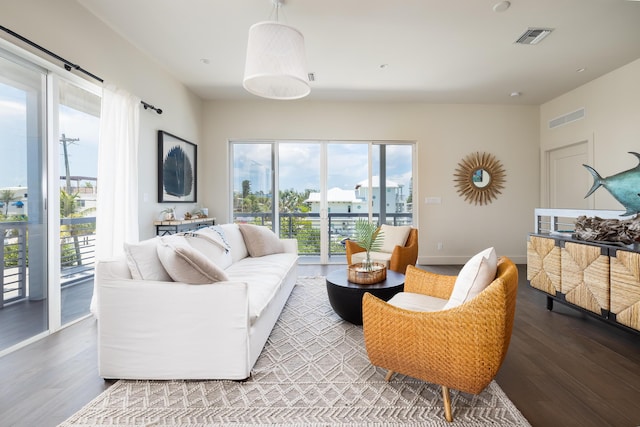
623	186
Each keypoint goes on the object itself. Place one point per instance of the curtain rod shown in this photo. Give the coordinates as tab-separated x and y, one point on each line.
68	65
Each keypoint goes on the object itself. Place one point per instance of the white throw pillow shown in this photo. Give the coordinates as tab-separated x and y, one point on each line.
186	264
233	235
210	241
143	261
393	236
474	277
260	240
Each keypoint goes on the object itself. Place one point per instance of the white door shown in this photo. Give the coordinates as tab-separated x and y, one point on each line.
568	180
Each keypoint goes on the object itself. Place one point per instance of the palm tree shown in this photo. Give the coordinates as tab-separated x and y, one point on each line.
6	197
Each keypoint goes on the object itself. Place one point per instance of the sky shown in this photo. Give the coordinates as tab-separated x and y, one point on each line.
83	154
299	164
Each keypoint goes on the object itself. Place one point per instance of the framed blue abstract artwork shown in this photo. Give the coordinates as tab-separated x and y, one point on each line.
177	169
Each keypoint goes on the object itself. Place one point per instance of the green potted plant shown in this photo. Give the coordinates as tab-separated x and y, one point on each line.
366	237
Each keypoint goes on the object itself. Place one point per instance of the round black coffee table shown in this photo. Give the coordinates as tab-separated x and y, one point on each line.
346	297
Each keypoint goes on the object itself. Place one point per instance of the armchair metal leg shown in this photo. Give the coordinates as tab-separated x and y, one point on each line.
387	378
447	403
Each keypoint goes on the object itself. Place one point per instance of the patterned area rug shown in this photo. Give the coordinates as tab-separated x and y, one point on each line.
314	371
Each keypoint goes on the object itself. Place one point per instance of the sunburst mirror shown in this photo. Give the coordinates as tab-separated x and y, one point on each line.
479	178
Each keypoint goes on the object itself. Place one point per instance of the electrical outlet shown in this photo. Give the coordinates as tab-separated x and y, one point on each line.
439	246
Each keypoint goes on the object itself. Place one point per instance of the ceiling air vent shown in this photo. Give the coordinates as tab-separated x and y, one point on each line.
533	35
567	118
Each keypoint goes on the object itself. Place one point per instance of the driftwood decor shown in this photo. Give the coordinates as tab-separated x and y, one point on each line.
596	229
479	178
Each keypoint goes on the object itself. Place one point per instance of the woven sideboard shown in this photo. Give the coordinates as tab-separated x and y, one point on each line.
600	279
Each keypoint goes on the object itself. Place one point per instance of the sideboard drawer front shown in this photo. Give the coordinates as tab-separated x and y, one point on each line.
585	276
625	288
543	264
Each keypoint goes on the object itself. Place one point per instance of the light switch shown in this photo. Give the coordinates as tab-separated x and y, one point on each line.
433	200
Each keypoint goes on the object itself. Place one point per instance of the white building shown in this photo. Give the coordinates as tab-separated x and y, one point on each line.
84	187
355	201
338	201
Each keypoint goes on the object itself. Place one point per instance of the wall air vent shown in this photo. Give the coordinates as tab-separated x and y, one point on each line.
533	35
567	118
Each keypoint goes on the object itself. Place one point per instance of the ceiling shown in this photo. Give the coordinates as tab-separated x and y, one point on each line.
435	51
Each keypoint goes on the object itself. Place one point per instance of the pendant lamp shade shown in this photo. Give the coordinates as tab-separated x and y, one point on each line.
276	66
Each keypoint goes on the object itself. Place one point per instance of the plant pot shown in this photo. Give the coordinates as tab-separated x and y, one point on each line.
358	273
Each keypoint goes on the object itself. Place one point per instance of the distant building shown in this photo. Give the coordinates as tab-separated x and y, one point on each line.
17	206
339	201
84	186
395	199
356	200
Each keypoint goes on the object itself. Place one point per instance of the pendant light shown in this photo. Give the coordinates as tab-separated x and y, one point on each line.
276	67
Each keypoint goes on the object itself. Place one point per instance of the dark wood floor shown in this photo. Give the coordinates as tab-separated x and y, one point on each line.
563	368
22	320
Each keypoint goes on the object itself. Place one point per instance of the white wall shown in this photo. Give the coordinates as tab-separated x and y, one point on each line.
66	28
611	126
444	134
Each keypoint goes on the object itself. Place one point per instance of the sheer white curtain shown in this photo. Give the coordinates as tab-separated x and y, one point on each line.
117	204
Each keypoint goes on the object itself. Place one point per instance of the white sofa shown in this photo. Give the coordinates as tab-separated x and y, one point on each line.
158	329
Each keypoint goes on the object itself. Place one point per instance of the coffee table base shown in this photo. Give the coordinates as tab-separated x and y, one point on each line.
346	297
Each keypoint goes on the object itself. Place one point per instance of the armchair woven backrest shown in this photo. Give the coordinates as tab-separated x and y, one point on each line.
401	257
460	348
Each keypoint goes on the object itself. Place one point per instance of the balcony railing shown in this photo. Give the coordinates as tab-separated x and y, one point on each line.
14	265
77	261
77	244
305	227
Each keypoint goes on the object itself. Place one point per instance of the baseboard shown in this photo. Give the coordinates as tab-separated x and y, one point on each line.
460	260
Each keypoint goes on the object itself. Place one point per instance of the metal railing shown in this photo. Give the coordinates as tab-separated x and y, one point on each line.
14	265
77	261
77	244
305	227
77	249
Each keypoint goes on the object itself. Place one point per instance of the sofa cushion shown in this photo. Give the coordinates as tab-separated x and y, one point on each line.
211	242
186	264
474	277
260	240
143	261
236	241
393	236
264	276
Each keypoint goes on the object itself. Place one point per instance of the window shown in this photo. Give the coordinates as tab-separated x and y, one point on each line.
315	190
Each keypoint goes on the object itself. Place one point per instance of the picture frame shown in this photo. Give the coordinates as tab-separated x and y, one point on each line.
177	169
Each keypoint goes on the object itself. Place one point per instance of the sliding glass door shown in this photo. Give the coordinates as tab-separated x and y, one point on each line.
78	112
49	123
23	226
318	189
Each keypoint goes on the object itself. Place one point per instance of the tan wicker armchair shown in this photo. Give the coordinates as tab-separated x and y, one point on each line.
460	348
401	257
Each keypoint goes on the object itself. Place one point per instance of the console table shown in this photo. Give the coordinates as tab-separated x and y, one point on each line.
597	278
164	228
